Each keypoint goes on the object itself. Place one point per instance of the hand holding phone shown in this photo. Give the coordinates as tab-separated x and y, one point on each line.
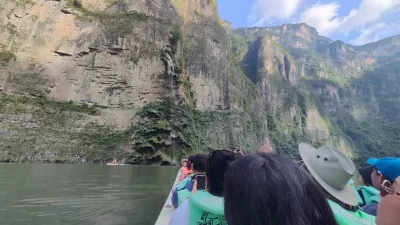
201	182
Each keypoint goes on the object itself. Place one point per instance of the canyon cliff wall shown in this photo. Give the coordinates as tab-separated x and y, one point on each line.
323	91
151	81
142	81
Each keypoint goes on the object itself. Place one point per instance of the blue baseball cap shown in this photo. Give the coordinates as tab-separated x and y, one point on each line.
388	167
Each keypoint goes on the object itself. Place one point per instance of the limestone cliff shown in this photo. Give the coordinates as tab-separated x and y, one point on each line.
141	81
336	93
150	81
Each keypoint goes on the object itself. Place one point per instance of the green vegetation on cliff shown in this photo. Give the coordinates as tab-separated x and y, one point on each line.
104	16
6	57
39	129
345	97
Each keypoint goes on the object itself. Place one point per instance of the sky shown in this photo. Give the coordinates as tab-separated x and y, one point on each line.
355	22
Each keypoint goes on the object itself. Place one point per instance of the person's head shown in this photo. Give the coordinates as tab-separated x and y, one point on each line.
184	162
390	188
365	176
271	189
189	162
219	161
199	163
384	169
333	170
388	211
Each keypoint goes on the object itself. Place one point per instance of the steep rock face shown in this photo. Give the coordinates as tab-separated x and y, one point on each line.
218	84
111	59
121	65
339	92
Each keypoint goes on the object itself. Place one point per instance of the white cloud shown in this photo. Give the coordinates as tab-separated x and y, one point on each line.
324	17
368	35
369	11
375	32
267	11
366	20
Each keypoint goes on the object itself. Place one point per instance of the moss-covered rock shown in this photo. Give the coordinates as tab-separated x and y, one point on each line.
6	57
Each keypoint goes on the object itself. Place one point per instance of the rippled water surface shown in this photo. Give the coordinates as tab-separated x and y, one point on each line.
52	194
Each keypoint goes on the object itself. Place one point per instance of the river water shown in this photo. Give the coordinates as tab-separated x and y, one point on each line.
52	194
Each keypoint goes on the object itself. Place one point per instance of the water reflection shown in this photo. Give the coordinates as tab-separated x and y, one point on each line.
82	194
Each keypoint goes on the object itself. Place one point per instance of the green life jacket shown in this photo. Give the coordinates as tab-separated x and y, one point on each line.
185	181
184	194
359	199
344	217
371	194
205	208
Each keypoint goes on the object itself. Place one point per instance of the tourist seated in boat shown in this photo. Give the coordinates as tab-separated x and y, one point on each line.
366	190
333	170
271	189
183	163
184	189
389	209
205	205
384	170
365	176
187	167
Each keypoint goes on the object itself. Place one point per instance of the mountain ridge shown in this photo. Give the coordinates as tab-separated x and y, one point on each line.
149	82
315	30
338	77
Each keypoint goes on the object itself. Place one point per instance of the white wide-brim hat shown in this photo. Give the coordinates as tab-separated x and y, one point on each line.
332	169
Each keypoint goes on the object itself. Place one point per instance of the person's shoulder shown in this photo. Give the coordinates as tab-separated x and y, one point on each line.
371	208
189	185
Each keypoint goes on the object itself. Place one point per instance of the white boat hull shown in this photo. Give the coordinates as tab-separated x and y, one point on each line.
168	209
116	164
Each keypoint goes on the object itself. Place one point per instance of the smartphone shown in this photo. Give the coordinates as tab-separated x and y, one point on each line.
201	182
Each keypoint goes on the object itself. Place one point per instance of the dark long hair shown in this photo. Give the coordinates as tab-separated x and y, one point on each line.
271	189
218	163
365	173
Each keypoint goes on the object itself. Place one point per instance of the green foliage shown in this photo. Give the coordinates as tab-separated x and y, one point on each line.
45	130
35	18
377	136
161	128
113	2
249	64
176	130
25	2
317	73
212	2
176	34
28	83
102	144
77	3
104	16
240	45
6	57
14	103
